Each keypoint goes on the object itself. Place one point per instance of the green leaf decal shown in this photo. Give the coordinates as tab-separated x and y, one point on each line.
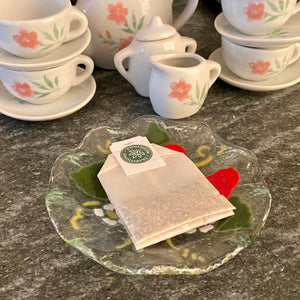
56	81
281	5
133	21
48	36
273	6
40	86
277	63
43	95
127	30
61	33
55	32
287	4
197	91
140	25
48	82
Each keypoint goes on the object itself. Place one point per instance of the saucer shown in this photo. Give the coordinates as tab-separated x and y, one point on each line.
288	77
284	36
76	98
60	55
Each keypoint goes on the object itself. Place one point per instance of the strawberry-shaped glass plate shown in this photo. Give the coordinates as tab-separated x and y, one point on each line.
84	217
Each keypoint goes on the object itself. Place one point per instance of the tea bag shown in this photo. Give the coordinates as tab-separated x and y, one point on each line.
162	200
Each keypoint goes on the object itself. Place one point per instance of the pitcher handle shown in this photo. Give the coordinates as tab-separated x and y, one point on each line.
214	71
118	61
186	14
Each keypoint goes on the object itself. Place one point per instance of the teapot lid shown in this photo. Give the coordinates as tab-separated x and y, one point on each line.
156	30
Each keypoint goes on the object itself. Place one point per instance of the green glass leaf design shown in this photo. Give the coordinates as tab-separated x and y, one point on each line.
156	135
242	218
87	181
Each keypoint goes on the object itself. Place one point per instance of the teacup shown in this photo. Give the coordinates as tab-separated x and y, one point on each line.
44	86
179	83
258	17
33	28
258	64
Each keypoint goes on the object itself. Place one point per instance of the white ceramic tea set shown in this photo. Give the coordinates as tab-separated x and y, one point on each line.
260	43
41	49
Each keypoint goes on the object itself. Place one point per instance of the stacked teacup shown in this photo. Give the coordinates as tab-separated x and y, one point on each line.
258	18
32	30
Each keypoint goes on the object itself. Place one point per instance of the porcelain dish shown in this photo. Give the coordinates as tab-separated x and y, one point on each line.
284	36
89	223
288	77
65	52
76	98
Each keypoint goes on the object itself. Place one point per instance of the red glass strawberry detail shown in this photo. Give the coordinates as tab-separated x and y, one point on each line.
224	180
175	147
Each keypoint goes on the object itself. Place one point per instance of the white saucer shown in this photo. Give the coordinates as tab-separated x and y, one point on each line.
289	33
76	98
288	77
63	53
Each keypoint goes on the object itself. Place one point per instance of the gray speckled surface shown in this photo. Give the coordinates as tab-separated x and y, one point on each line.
37	264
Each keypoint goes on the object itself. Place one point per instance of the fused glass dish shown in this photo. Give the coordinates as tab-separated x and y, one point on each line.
85	219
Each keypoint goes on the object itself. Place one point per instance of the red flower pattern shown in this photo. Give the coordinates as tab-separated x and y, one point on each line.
255	11
23	89
27	39
260	67
117	13
180	90
125	42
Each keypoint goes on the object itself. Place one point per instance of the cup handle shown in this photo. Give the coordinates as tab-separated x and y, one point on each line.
297	8
89	67
296	54
214	71
190	44
186	14
81	27
118	61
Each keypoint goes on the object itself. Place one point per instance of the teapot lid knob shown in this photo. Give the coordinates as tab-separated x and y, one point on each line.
155	30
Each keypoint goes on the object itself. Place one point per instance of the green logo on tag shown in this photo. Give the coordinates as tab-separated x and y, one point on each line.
136	154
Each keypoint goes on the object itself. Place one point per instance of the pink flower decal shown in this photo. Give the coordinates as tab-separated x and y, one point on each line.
180	90
260	67
125	42
27	39
23	89
117	13
255	11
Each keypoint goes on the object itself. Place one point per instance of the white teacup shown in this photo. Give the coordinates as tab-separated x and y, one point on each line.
179	83
44	86
258	17
258	64
33	28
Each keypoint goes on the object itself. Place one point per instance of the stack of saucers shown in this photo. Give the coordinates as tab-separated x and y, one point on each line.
260	43
40	52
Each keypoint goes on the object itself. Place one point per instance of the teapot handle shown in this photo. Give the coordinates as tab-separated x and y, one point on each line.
190	44
118	61
186	14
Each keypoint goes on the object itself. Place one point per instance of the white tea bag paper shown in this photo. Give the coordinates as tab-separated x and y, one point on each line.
159	203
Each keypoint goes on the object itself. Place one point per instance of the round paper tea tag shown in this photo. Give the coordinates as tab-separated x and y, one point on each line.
136	154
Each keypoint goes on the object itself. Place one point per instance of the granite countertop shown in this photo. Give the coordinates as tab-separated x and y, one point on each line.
37	264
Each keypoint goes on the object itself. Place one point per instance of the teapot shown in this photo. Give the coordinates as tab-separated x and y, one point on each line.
114	23
155	38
